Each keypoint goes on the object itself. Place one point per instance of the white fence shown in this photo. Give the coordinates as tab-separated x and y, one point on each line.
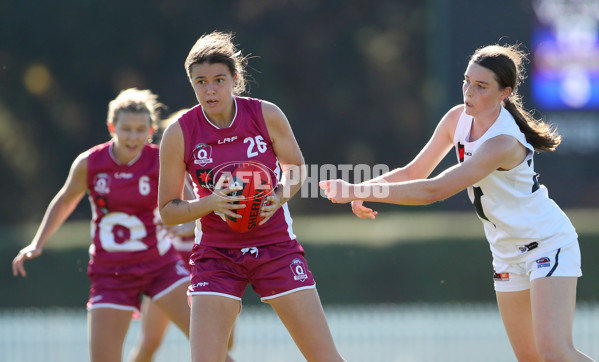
368	333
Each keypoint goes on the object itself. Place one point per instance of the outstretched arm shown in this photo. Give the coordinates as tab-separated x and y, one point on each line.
501	152
423	164
59	209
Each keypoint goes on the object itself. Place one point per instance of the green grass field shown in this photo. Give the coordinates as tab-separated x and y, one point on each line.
389	228
397	258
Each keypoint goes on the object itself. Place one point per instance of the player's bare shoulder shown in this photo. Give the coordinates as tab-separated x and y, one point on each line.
173	130
276	121
76	183
79	165
453	115
271	112
449	122
172	138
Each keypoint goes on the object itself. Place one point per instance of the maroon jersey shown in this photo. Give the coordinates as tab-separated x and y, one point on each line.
124	201
209	148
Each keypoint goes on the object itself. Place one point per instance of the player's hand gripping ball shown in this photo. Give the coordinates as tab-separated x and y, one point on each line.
255	180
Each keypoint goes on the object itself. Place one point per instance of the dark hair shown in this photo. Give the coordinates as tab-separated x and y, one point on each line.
506	62
218	47
135	101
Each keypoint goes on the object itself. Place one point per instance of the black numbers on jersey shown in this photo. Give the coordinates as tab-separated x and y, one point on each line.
256	145
478	206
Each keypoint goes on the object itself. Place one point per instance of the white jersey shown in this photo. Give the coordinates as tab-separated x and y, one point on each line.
516	211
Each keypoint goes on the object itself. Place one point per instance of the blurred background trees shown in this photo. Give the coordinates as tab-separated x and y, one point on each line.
361	81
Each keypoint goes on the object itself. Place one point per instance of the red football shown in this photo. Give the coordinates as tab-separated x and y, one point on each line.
255	179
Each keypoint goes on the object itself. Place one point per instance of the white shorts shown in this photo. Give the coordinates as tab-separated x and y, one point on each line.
562	262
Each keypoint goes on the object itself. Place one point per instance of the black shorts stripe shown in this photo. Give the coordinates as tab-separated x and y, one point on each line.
556	262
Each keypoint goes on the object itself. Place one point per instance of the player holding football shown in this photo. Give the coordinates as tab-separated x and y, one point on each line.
127	260
536	257
227	128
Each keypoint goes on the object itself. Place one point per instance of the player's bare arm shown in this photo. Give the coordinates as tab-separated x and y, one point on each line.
289	156
59	209
422	165
500	152
431	154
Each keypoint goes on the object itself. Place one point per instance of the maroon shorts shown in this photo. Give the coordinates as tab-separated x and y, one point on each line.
272	270
121	287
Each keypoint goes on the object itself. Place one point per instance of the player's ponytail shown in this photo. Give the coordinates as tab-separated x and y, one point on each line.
542	136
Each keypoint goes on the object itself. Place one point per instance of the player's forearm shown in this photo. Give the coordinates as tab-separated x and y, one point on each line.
179	211
418	192
56	214
395	175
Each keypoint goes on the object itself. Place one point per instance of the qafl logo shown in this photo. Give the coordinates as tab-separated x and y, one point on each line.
102	183
202	154
298	269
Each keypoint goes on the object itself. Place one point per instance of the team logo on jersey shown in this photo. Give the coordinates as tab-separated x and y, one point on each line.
528	247
205	178
543	262
298	269
102	183
227	139
460	152
202	154
121	234
501	277
123	175
102	203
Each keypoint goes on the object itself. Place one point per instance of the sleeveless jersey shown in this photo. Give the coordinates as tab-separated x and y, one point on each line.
516	211
124	202
208	147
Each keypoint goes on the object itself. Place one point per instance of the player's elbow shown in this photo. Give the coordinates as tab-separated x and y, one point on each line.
168	222
428	198
166	214
433	193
